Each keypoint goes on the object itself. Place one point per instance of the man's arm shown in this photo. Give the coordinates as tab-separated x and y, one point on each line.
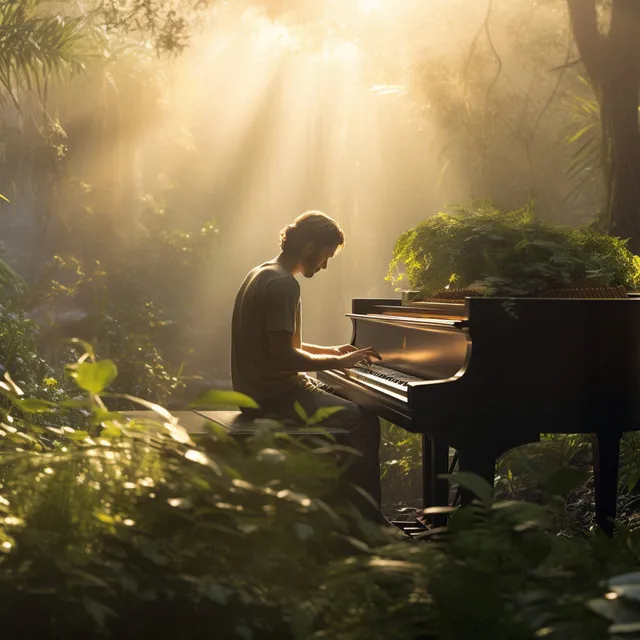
286	357
281	301
328	351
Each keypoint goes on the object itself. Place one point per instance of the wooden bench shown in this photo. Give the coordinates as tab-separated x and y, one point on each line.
240	427
237	425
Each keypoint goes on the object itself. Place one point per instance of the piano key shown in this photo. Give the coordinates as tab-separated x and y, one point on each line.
393	375
376	382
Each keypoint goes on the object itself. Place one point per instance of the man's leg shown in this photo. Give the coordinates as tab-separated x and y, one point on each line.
364	436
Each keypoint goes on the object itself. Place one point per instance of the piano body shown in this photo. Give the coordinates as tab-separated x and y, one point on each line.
485	375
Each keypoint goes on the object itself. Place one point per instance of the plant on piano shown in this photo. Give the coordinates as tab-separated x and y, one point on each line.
482	248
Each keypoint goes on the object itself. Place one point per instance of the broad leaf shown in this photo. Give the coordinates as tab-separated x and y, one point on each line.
213	399
323	414
94	376
301	413
562	481
473	483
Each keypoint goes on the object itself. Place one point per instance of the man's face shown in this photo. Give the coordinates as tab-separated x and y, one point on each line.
315	259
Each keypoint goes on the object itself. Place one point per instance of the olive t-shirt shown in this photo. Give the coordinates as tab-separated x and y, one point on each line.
268	300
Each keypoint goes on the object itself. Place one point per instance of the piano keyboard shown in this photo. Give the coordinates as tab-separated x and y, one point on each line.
382	379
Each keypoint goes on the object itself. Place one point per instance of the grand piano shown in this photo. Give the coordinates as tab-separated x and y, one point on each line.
484	375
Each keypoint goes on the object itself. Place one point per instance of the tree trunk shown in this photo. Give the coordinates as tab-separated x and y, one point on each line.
613	64
619	108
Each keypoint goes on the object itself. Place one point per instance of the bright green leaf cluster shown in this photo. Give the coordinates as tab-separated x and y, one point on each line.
507	253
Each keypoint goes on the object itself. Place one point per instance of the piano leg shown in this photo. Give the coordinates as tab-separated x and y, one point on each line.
606	454
427	472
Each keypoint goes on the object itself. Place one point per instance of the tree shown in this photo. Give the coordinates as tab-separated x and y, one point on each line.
34	45
612	61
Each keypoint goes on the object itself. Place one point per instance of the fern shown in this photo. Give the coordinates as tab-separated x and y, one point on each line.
507	253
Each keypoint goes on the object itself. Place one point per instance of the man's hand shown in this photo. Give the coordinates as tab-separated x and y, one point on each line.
340	350
358	356
345	348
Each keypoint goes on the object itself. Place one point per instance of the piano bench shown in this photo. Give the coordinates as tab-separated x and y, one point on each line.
241	427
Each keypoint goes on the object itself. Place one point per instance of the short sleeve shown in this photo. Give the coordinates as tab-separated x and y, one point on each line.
281	299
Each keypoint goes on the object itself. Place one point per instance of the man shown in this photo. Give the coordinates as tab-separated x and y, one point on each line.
268	355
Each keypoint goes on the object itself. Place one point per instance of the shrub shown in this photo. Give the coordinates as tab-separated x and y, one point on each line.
133	530
507	253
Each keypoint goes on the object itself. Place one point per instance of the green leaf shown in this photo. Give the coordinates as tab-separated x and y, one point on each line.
98	611
562	481
301	413
110	431
323	414
213	399
76	403
103	517
34	405
94	376
77	435
472	482
99	416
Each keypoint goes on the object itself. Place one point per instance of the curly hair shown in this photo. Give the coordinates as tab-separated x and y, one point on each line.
312	226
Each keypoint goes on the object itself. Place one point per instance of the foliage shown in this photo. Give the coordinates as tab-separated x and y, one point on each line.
507	253
584	138
18	354
135	528
496	572
130	295
35	46
9	278
503	104
131	528
401	467
620	606
166	23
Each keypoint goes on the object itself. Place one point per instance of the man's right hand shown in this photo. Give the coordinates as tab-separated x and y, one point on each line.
361	356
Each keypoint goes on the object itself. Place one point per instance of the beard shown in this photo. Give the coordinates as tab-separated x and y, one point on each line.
309	267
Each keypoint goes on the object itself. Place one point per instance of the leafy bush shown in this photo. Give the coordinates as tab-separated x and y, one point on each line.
133	530
499	571
507	253
130	294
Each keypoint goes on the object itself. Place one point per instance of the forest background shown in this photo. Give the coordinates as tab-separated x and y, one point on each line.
149	154
149	151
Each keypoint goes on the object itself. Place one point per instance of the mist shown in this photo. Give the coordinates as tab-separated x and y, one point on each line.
348	107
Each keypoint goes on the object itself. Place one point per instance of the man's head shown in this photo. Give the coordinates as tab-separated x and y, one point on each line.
310	240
